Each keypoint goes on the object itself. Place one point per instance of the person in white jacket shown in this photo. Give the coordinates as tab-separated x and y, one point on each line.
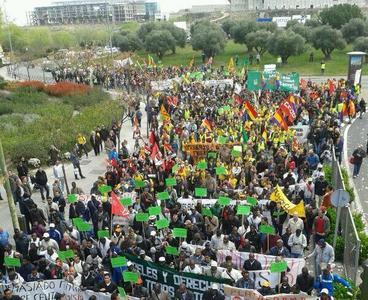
297	243
226	244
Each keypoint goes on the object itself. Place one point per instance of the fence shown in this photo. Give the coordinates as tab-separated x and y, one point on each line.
347	226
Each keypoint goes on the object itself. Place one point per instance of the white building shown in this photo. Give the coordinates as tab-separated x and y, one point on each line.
239	5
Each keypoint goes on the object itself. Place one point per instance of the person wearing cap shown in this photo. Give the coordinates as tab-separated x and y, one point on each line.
213	293
158	293
47	242
213	270
245	282
324	295
266	289
142	255
323	253
54	233
295	223
321	226
326	279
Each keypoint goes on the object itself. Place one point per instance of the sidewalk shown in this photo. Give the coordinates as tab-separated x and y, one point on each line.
92	167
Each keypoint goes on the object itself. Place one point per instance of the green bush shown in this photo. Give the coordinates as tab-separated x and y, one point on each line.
339	249
79	101
327	169
341	292
5	109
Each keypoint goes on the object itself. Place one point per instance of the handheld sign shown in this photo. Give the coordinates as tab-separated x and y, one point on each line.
266	229
180	232
103	189
154	210
12	262
119	261
126	201
121	292
162	223
200	192
170	181
222	140
223	200
103	234
202	165
206	212
163	196
220	171
130	277
278	267
252	201
139	184
171	250
72	198
141	217
211	154
243	210
175	168
83	226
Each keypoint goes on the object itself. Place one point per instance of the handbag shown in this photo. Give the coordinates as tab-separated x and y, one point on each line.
352	160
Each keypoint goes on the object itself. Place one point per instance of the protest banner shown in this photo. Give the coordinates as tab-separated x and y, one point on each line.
279	197
254	82
218	83
237	293
170	279
294	264
289	82
301	132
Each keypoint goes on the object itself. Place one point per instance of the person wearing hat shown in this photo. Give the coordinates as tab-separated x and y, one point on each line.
266	289
323	253
213	293
326	279
54	233
324	295
139	291
213	271
47	242
245	282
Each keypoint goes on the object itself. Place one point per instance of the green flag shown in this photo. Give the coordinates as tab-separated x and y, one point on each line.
171	250
163	196
279	267
180	232
130	277
206	212
223	200
103	189
200	192
243	210
119	261
254	82
139	184
170	181
222	140
245	136
220	171
202	165
266	229
162	223
103	234
126	201
141	217
154	210
72	198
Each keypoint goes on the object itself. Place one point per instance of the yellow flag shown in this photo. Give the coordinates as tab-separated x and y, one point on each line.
231	65
279	197
164	114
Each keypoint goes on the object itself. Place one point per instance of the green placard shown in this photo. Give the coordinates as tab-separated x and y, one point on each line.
171	250
200	192
211	154
170	181
83	226
126	201
278	267
254	82
162	223
175	168
220	171
72	198
266	229
206	212
103	234
235	153
202	165
130	276
104	189
252	201
154	210
12	261
163	196
243	210
119	261
220	111
121	292
222	140
223	200
226	108
63	255
139	184
141	217
179	232
77	221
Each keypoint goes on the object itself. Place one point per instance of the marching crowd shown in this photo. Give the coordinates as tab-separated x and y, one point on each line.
204	143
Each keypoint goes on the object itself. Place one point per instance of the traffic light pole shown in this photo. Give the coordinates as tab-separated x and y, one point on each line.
9	194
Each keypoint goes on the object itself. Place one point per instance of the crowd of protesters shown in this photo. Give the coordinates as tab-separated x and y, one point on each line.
217	119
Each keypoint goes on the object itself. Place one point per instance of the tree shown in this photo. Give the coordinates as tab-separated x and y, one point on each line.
285	43
145	29
62	40
327	39
241	30
258	40
209	38
312	23
127	42
228	26
159	42
268	26
361	44
338	15
303	30
291	23
354	29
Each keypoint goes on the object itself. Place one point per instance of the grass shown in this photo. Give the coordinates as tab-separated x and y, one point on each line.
130	26
338	65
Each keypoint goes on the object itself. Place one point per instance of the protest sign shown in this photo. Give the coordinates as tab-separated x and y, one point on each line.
119	261
72	198
154	210
163	196
279	197
11	261
103	189
200	192
301	132
266	229
170	181
63	255
211	154
254	82
162	223
171	250
278	267
170	279
180	232
289	82
83	226
220	171
175	168
202	165
139	184
206	212
103	234
252	201
223	200
243	210
126	201
142	217
130	276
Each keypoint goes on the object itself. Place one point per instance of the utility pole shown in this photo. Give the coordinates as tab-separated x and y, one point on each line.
9	194
12	70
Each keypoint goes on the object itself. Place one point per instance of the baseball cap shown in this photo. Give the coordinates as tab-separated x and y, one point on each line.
52	225
142	252
129	263
46	235
153	233
213	263
162	259
266	283
325	291
214	286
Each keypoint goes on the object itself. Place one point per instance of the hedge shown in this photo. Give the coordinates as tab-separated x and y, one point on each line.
52	121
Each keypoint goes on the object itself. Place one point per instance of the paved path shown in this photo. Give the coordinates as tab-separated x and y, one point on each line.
92	167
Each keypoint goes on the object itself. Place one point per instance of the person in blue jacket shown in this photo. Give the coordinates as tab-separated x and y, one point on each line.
326	280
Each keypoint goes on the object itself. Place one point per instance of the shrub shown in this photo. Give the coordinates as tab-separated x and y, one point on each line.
79	101
65	88
33	84
339	249
341	292
5	109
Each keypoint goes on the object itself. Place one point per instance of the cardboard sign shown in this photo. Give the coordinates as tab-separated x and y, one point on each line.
171	250
12	262
202	165
141	217
72	198
126	201
103	234
220	171
206	212
154	210
162	223
119	261
139	184
163	196
104	189
130	277
252	201
170	181
223	201
243	210
200	192
278	267
266	229
180	232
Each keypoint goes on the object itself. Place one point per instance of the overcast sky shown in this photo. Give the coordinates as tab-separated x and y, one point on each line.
16	9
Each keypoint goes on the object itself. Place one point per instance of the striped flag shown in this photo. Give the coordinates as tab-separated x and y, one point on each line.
250	110
278	118
207	124
164	114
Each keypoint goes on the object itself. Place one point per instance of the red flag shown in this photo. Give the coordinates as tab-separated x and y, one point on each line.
173	101
251	111
331	87
168	147
207	124
288	111
238	99
152	138
117	208
154	151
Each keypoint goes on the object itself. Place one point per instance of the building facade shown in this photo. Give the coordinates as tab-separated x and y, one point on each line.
241	5
94	12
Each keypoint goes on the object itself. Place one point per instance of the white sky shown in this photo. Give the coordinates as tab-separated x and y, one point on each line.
16	9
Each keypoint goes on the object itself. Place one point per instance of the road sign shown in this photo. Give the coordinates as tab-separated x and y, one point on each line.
340	198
